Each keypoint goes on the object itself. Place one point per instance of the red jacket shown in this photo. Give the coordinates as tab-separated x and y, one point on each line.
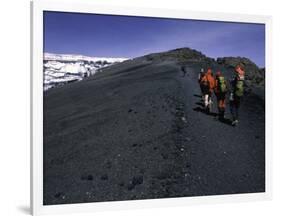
211	80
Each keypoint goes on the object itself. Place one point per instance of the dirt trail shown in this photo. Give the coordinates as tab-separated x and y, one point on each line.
224	159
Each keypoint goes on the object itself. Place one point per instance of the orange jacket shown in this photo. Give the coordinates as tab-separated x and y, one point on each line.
210	79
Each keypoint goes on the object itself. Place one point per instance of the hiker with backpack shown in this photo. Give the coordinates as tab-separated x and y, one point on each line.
208	83
220	92
183	70
237	92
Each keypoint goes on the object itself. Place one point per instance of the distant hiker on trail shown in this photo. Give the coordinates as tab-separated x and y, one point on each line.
237	92
220	92
183	71
208	83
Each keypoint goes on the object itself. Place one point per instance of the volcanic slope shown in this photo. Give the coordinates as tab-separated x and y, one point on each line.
137	130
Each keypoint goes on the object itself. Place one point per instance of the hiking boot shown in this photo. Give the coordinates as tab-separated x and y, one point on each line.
234	123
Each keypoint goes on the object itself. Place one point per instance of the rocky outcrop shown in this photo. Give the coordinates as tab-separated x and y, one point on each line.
254	74
182	55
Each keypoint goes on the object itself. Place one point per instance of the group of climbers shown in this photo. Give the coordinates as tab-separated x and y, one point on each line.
218	85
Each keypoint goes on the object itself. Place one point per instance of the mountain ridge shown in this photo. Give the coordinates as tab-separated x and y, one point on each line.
185	56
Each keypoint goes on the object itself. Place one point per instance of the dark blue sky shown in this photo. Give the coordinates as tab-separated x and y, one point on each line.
123	36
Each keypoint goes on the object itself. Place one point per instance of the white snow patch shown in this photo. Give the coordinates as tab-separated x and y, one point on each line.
60	69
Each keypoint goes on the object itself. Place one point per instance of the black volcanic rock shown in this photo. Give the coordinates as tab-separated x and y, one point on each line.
181	55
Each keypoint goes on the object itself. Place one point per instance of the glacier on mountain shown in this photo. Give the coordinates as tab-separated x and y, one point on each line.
60	69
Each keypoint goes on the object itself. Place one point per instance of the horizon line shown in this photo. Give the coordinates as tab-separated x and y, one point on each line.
128	58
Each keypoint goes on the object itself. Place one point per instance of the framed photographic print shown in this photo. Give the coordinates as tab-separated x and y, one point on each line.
140	107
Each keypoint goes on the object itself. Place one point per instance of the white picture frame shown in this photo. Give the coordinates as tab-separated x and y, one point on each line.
85	6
